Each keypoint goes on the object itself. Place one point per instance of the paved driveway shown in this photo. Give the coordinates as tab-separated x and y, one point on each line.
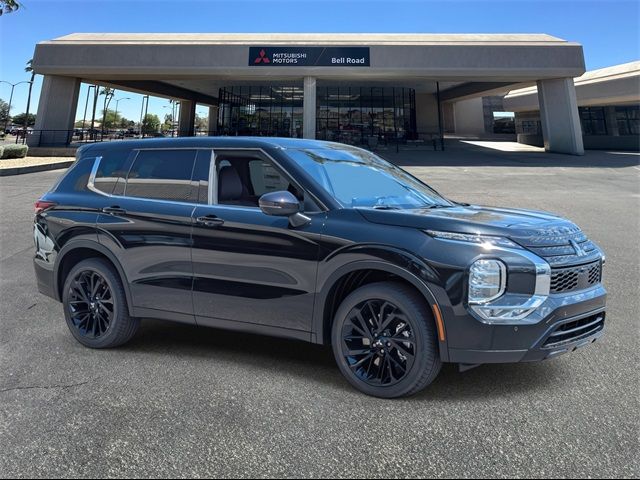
181	401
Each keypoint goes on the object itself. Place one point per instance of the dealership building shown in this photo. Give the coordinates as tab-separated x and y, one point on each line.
345	87
608	107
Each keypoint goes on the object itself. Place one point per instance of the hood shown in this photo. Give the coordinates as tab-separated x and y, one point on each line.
529	228
508	222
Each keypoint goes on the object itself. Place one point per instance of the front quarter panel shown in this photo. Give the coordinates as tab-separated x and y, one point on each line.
351	243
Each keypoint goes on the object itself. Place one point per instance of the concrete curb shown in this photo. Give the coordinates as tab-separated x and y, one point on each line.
5	172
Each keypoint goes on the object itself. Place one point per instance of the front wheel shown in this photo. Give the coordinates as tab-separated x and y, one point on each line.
384	340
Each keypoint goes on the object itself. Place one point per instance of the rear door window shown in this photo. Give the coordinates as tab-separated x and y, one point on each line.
163	175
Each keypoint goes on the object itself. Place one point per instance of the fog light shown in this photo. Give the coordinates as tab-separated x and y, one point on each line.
487	281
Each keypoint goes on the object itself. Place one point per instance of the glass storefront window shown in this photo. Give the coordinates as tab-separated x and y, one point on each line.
343	113
274	111
628	118
592	120
356	114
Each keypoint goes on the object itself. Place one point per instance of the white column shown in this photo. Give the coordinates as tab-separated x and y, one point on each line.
309	108
213	120
187	118
56	111
561	129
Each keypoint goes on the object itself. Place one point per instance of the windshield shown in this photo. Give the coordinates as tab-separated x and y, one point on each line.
357	178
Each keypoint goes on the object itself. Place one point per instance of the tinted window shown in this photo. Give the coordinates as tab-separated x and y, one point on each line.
357	178
201	176
265	178
162	175
242	181
112	172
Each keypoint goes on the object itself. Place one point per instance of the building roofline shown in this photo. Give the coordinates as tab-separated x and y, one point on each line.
614	72
310	39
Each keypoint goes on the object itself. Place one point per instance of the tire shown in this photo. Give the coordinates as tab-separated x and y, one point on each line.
99	319
396	362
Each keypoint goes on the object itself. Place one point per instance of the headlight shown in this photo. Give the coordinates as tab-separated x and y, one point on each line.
487	281
486	241
488	297
513	308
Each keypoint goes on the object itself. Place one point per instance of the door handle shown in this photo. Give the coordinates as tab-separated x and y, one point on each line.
210	221
114	210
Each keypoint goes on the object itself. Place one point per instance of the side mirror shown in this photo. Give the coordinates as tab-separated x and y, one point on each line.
279	204
283	204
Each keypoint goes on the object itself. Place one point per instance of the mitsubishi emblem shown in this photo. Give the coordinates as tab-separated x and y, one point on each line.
579	251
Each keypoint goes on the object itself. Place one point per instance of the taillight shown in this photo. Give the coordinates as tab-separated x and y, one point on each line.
42	205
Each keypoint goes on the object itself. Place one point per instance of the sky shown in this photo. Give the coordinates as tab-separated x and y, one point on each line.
608	29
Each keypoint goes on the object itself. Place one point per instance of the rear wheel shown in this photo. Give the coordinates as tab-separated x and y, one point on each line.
95	305
384	340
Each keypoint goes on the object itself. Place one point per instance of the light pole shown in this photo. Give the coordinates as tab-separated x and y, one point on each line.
86	104
145	100
116	115
13	85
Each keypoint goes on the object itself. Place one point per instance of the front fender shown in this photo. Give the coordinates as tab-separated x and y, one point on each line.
385	258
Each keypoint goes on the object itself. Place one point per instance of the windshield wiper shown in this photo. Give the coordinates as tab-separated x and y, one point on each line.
437	205
385	207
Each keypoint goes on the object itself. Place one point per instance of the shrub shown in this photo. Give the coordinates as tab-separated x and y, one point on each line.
1	150
14	151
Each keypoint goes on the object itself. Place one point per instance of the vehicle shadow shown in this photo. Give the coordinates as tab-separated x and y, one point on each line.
316	364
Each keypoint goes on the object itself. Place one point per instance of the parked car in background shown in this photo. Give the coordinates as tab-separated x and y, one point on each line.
314	241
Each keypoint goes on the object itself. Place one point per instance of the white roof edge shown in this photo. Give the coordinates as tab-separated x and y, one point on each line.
613	72
318	38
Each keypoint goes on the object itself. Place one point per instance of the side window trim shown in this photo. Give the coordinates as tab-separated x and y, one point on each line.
213	179
92	177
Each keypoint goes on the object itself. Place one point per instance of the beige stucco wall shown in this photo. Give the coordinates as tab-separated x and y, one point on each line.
426	113
469	117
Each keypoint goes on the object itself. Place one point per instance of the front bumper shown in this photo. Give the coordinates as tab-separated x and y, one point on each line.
570	322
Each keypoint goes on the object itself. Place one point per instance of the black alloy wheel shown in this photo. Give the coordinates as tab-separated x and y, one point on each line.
380	347
385	341
90	304
95	305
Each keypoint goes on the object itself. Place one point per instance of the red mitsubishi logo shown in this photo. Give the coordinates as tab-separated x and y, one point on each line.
262	58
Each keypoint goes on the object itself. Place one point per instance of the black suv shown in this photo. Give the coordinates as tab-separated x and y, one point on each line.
314	241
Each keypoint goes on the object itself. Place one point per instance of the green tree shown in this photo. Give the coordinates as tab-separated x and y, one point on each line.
4	112
108	95
150	124
21	119
202	123
8	6
110	119
168	122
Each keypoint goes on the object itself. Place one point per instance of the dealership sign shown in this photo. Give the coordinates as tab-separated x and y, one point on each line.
309	56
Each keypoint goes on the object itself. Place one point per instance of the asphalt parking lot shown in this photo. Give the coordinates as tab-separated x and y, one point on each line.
180	401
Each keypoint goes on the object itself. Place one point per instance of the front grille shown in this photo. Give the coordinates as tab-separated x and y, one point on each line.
565	253
580	277
574	331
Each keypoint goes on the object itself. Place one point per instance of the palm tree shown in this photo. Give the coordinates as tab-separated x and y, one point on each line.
108	95
29	69
8	6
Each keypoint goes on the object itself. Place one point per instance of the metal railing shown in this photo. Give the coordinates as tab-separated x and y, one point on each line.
77	137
